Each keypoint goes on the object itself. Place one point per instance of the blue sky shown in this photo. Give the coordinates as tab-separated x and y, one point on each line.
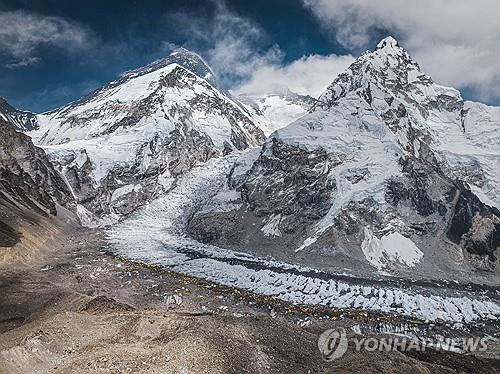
52	52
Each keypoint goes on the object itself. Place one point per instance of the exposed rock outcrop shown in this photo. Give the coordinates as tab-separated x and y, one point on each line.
32	192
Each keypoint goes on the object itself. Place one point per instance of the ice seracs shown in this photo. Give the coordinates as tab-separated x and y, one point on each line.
143	237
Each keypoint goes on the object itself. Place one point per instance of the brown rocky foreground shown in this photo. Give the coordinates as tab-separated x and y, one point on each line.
70	307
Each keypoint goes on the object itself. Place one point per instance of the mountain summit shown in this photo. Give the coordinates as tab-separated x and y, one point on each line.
180	56
129	140
193	62
388	42
389	169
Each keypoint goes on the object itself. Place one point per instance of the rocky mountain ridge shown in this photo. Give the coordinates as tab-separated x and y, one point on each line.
27	176
388	171
127	142
18	119
31	190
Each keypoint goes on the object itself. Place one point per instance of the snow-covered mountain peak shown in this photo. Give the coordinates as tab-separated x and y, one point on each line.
181	56
131	139
386	74
387	87
389	54
18	119
275	110
193	62
388	42
126	102
384	149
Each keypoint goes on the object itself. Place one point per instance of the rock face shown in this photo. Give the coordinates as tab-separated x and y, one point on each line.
275	111
299	190
128	141
18	119
389	170
27	176
29	184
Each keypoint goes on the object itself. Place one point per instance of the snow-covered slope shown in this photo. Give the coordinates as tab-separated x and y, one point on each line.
276	110
377	174
144	237
18	119
129	140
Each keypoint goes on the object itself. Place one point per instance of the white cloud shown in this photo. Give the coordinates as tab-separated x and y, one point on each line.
21	33
238	55
238	44
234	46
455	41
309	75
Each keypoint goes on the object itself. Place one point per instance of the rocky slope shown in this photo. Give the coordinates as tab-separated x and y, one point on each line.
27	176
80	310
127	142
389	171
276	110
18	119
31	190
